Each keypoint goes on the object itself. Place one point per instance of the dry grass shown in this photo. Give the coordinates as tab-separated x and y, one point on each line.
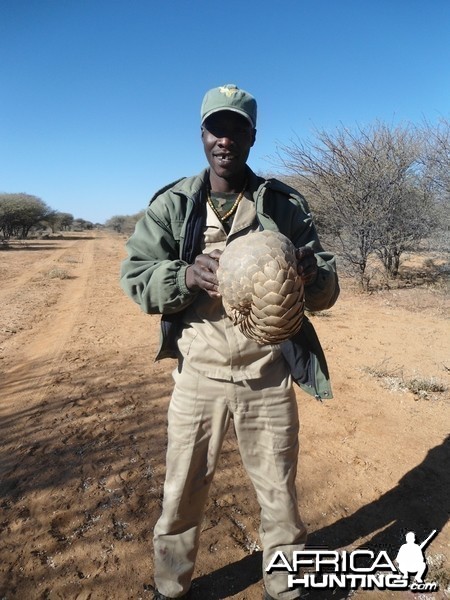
392	378
438	572
428	270
58	273
420	385
71	259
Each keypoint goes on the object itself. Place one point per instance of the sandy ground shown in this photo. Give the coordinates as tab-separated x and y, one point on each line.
82	435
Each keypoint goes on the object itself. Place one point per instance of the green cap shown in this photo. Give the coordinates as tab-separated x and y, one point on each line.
229	97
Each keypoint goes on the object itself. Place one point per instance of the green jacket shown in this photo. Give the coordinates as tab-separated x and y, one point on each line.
168	238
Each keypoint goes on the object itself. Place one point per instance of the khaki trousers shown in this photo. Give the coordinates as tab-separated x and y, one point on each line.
265	418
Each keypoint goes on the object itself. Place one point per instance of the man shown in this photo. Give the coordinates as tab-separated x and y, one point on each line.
222	375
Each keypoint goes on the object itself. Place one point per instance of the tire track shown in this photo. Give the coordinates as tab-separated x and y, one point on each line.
20	282
34	288
35	358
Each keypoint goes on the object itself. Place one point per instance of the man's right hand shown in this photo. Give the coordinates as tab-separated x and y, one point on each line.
202	274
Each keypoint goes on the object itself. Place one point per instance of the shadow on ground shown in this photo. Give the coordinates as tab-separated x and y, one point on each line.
419	503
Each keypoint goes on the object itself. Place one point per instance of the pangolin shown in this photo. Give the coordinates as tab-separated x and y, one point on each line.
261	290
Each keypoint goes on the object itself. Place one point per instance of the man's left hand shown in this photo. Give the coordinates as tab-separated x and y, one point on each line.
306	265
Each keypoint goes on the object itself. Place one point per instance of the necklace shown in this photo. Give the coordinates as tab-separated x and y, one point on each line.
232	209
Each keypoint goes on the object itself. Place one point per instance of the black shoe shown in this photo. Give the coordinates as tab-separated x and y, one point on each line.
267	596
158	596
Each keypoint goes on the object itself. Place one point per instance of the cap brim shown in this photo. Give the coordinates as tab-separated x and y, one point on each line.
231	109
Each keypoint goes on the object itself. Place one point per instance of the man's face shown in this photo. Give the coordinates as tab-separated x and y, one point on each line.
227	139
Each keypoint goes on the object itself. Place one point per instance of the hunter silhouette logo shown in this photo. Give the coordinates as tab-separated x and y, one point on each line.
410	557
361	568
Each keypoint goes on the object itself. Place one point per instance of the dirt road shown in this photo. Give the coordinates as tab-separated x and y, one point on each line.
82	435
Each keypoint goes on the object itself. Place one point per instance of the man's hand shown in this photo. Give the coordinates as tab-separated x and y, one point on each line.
306	265
202	274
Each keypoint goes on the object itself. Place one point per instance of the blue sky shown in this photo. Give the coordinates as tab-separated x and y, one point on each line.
100	100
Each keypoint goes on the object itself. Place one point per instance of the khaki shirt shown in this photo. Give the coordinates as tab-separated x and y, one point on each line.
209	341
